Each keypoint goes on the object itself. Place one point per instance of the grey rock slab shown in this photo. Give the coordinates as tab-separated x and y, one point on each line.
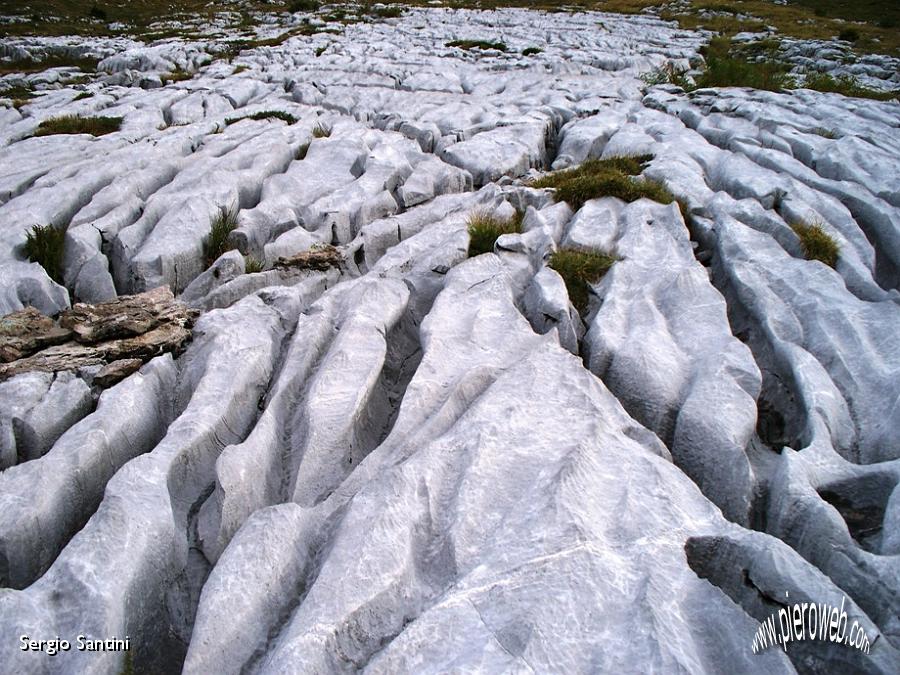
661	342
46	501
67	401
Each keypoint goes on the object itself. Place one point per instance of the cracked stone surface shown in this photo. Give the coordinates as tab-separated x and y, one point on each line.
377	453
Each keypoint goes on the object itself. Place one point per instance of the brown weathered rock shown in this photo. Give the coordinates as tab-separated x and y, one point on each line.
126	316
26	332
320	258
170	337
116	372
132	328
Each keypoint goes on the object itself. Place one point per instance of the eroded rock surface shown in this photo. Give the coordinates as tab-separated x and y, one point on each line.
376	453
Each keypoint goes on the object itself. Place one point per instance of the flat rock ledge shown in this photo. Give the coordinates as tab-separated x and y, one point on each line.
117	336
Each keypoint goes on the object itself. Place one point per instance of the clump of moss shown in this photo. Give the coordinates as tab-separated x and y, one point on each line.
217	241
529	51
44	245
73	124
817	244
579	268
612	177
477	44
485	228
265	115
321	131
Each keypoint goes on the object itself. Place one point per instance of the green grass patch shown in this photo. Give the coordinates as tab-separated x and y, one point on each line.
85	64
846	85
18	93
301	151
45	245
303	6
727	69
485	228
612	177
73	124
817	244
217	241
531	51
265	115
83	95
321	131
477	44
579	268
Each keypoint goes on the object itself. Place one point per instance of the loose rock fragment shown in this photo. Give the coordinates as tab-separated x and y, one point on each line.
317	258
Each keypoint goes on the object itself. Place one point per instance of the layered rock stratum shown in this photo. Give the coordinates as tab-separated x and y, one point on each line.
377	453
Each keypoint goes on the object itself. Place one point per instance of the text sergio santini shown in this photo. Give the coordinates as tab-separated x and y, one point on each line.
82	643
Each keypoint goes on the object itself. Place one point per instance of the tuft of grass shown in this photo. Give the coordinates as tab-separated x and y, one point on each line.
846	85
252	265
239	69
73	124
529	51
477	44
321	131
485	228
666	75
265	115
817	244
217	241
825	133
301	151
177	75
321	50
44	245
83	95
579	268
612	177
